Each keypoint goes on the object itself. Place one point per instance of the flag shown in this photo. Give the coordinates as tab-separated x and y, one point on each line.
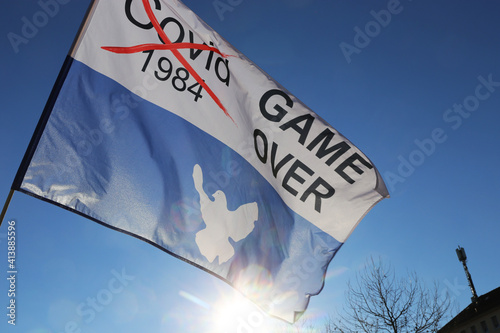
159	128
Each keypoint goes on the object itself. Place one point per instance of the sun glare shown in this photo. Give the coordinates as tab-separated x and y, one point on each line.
236	314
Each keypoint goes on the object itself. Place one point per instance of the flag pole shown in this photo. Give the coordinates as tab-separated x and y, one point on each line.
6	206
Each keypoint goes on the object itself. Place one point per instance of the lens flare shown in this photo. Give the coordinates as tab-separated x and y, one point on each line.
237	314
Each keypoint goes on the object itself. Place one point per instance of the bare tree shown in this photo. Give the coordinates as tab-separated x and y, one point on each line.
378	301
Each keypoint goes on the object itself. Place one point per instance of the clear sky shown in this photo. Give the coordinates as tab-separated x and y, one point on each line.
418	92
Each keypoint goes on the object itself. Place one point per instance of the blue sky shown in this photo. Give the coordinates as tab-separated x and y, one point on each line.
418	93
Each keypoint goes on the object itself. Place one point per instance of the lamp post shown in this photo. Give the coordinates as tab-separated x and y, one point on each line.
463	258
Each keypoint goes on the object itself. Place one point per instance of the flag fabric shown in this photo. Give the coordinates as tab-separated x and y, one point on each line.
159	128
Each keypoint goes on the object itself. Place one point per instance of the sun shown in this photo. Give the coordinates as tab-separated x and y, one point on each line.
236	314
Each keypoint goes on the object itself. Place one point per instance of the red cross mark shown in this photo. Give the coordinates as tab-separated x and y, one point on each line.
168	45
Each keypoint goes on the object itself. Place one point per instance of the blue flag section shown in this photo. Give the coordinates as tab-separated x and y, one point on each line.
225	170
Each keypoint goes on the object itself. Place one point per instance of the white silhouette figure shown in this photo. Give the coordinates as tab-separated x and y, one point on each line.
221	223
